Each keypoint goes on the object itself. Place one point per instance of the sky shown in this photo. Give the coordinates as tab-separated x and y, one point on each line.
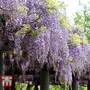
73	6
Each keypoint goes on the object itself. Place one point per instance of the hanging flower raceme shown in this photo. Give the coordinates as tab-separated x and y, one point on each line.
78	53
38	37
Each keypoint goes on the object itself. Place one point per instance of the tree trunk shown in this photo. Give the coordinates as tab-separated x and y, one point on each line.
28	87
36	87
35	82
13	84
1	69
70	87
88	86
44	78
75	83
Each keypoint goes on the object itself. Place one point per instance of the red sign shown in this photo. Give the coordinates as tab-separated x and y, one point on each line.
6	81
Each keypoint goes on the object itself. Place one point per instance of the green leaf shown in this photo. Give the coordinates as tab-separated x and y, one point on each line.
64	22
22	8
24	29
54	5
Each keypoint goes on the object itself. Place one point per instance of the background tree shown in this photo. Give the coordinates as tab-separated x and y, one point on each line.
82	20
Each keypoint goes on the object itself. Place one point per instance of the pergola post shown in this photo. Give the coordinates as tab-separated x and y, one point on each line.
88	86
1	69
44	78
75	83
35	82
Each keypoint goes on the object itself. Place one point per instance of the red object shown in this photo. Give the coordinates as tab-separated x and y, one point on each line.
6	81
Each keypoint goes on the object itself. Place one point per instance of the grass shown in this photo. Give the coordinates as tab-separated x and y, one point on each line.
57	87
